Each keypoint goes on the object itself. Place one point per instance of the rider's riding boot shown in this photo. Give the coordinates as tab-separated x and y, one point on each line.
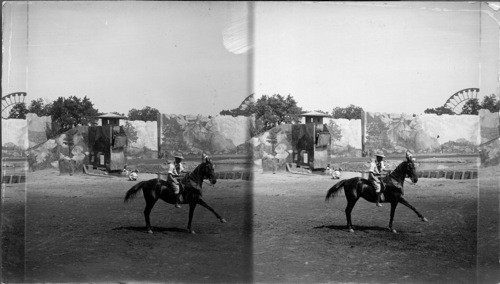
378	199
177	201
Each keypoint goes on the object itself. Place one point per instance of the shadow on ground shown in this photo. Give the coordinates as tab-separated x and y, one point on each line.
356	228
155	229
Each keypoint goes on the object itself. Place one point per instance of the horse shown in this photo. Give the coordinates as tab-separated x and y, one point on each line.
356	187
191	192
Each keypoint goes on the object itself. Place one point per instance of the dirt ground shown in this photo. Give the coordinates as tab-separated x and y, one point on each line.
78	229
279	230
298	237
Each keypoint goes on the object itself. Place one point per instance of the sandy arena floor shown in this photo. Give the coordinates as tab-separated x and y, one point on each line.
79	230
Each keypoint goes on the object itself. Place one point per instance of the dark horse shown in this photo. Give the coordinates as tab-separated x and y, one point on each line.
357	187
191	193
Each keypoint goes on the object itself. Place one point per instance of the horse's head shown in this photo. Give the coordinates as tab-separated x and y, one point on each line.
208	170
411	169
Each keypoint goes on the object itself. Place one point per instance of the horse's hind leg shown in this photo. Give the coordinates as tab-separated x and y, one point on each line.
149	206
348	210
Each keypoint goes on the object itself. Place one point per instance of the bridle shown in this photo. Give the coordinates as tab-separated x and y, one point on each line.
408	169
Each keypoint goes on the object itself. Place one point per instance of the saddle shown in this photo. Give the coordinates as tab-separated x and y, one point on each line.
382	184
391	184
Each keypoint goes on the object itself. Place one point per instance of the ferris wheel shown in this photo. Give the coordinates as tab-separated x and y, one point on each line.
9	101
458	99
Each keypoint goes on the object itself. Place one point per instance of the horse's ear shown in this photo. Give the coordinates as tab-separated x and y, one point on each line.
409	156
204	158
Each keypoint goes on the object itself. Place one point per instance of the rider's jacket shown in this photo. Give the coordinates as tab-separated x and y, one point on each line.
179	168
376	167
175	169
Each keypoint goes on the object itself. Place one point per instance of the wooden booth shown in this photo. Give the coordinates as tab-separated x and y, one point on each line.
311	142
107	143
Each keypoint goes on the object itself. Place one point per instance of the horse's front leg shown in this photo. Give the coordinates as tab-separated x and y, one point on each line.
405	203
394	204
192	206
204	204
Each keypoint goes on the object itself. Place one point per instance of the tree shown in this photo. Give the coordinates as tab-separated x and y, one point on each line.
70	112
117	113
19	111
335	131
131	132
440	110
145	114
471	106
491	103
321	111
274	110
39	108
349	112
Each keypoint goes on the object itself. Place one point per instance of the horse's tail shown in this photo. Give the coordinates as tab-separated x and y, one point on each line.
132	192
335	189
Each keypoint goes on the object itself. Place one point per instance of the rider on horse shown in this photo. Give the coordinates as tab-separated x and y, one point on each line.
173	172
377	166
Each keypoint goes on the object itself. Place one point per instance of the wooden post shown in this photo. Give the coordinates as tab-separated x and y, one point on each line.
159	126
363	132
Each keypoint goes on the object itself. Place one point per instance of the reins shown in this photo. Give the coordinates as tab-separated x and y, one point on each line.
194	175
404	175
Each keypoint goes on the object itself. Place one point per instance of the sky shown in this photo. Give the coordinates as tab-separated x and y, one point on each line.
178	57
385	57
202	58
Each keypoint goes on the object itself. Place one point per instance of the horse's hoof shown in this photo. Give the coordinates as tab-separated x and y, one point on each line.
150	231
222	220
351	230
392	230
192	232
424	219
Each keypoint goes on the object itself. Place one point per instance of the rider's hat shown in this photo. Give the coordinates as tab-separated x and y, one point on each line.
179	156
380	154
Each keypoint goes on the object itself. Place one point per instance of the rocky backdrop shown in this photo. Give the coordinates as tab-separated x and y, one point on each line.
193	134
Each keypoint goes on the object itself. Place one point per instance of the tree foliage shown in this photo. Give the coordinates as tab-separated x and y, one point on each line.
131	132
349	112
439	110
39	108
36	106
274	110
471	106
70	112
18	111
491	103
145	114
335	130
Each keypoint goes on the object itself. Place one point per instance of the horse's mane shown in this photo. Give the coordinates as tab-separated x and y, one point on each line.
194	175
